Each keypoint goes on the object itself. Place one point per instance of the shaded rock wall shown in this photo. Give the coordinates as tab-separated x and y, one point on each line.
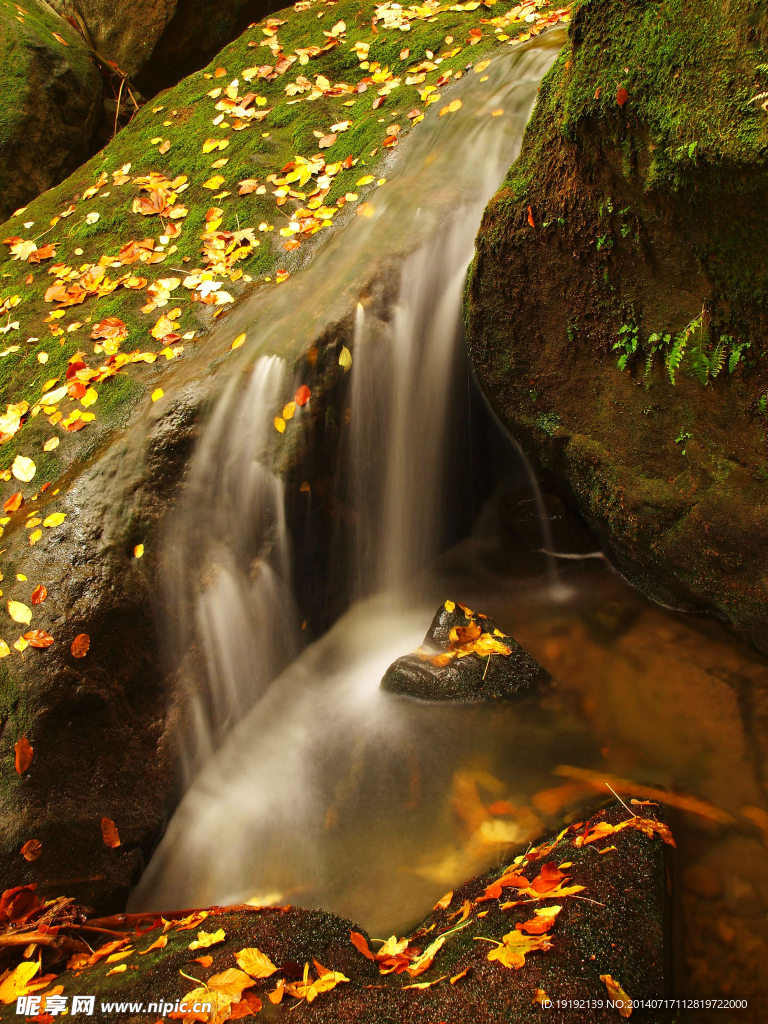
636	210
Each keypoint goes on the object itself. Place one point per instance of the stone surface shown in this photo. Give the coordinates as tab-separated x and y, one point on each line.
620	928
50	101
158	42
464	657
626	215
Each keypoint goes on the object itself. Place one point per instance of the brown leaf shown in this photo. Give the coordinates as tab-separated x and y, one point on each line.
31	850
109	833
621	95
38	638
39	594
327	141
80	645
23	752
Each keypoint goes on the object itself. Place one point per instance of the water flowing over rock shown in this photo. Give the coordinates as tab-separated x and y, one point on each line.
465	657
616	305
50	94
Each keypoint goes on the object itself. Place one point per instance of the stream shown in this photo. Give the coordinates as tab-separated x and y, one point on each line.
311	786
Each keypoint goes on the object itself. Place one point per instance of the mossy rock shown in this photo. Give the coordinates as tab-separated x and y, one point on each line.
614	920
50	102
616	307
465	657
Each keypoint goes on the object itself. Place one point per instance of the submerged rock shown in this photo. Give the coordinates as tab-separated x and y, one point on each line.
464	657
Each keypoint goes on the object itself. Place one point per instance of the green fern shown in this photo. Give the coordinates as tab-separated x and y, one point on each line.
736	350
675	355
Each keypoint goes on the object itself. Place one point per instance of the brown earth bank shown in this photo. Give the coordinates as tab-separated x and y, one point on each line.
616	304
493	950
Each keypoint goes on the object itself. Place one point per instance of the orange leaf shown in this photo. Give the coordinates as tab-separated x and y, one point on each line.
14	503
39	594
621	95
204	961
531	221
38	638
31	850
80	645
24	753
358	941
549	878
303	395
109	833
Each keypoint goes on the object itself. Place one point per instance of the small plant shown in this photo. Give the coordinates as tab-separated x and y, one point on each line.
762	405
603	241
682	437
655	342
698	330
736	349
627	344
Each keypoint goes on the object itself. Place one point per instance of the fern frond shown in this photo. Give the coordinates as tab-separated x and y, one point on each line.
717	359
675	355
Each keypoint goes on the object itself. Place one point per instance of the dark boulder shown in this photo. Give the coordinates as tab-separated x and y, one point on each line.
464	657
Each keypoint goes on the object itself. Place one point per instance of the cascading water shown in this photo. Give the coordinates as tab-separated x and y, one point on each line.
326	779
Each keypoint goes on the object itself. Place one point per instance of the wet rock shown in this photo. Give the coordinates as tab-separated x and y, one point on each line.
464	657
158	42
586	259
50	93
619	929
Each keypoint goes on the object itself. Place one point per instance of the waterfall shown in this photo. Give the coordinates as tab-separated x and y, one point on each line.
323	752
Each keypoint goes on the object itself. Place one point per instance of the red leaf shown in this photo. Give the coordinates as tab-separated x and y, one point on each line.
531	221
621	95
39	594
38	638
358	941
109	833
80	645
549	878
24	752
303	395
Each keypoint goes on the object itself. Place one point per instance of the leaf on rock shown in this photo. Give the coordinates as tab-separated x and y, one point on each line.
618	995
255	963
23	752
345	358
358	941
621	95
14	503
19	612
109	833
23	468
31	850
38	638
206	939
303	395
80	645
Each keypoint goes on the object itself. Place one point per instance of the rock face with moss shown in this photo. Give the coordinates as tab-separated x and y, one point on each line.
464	657
158	42
616	305
50	100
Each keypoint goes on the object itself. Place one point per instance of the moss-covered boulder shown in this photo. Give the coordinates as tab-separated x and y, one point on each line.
50	101
158	42
464	657
513	944
617	303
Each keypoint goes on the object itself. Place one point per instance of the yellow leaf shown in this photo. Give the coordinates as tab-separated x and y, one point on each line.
365	180
345	358
138	551
424	962
255	963
23	468
157	394
618	995
230	983
239	340
118	970
214	183
90	396
206	939
50	444
161	943
450	606
289	410
35	536
5	650
21	644
279	424
19	612
17	981
479	68
54	519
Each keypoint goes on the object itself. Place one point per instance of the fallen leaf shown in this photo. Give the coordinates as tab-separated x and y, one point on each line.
239	340
109	833
204	961
345	358
303	395
279	424
54	519
138	551
19	612
51	443
31	850
621	98
206	939
14	503
38	638
118	970
157	394
80	645
444	902
255	963
23	468
618	995
23	755
16	982
160	943
359	942
531	221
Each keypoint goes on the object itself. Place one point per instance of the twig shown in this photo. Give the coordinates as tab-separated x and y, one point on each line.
630	813
119	98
